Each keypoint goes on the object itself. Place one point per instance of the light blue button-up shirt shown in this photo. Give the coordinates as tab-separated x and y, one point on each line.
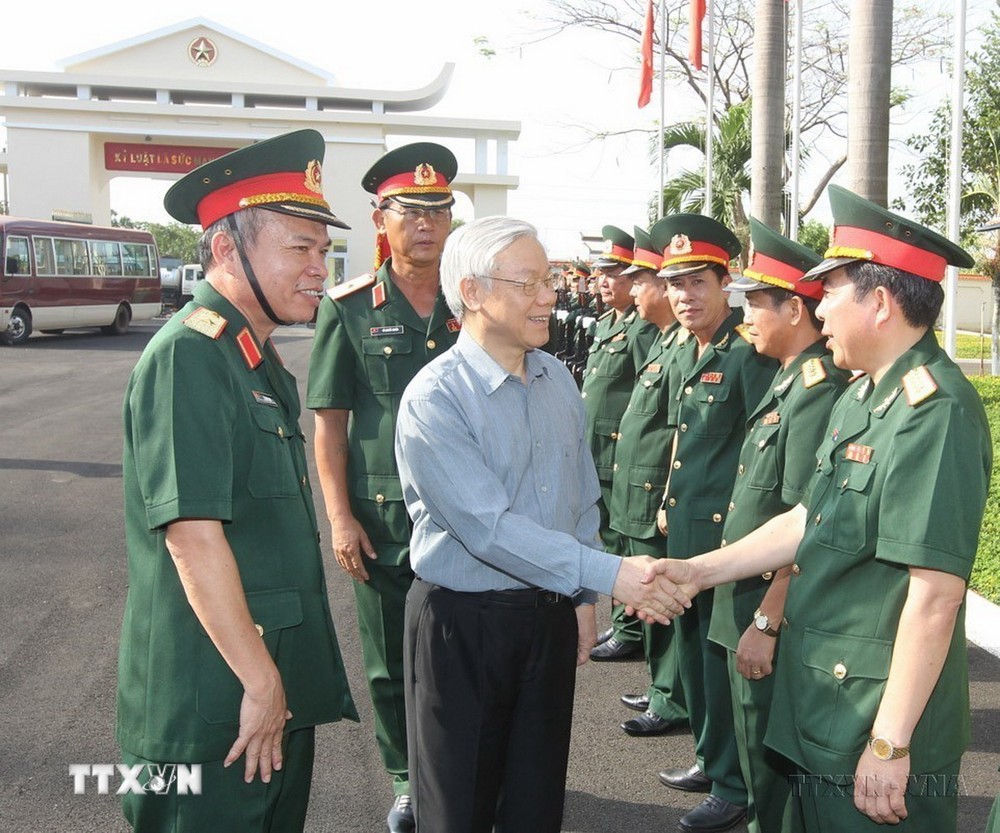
498	477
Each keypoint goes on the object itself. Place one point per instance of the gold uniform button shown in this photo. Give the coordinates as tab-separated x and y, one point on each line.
647	486
387	350
614	467
647	384
717	517
260	629
767	576
762	443
688	390
431	344
614	435
722	543
819	517
796	570
677	464
840	671
732	506
593	370
710	399
380	499
583	395
281	431
672	501
684	427
740	469
304	480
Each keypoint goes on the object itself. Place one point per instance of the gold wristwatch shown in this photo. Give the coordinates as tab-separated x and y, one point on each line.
763	624
883	749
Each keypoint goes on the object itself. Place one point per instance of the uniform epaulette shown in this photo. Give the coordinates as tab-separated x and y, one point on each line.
604	315
855	377
919	385
631	317
743	331
206	321
350	287
683	334
813	372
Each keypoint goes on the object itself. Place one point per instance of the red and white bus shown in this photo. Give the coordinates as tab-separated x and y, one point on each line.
56	276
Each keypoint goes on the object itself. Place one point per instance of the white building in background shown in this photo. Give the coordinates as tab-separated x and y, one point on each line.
150	106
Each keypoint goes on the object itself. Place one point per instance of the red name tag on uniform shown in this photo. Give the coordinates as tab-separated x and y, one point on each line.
711	378
858	453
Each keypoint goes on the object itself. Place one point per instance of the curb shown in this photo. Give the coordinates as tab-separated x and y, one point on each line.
982	622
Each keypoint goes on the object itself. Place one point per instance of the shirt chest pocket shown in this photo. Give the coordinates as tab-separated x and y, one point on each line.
763	472
716	416
843	515
647	393
388	362
275	444
611	359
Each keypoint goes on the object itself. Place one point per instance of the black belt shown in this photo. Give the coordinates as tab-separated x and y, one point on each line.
528	597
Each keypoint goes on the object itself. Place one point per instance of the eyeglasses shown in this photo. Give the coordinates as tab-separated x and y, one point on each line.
532	288
412	215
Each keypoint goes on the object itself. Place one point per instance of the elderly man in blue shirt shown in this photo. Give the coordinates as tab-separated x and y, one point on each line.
499	480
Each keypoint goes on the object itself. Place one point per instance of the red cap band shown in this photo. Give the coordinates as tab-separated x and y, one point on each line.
700	250
776	272
257	191
647	259
888	251
406	183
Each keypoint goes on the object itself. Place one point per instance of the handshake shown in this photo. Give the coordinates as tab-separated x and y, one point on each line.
656	590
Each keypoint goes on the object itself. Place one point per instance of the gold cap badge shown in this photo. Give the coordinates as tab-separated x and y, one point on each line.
680	244
314	176
424	175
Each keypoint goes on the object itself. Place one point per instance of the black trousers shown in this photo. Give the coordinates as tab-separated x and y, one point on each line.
489	707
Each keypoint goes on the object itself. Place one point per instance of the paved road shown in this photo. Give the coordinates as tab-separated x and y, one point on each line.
62	584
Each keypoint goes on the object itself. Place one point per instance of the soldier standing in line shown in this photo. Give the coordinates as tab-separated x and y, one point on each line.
640	474
372	336
776	464
716	380
622	340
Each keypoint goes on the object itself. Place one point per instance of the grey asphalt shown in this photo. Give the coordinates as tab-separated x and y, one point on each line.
62	586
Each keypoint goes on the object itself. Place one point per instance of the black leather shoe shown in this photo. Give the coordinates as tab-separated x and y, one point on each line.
604	636
713	815
648	724
636	702
613	651
691	780
400	818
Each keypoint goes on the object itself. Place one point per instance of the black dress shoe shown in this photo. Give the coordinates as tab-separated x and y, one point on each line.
636	702
613	650
713	815
604	636
649	724
400	818
691	780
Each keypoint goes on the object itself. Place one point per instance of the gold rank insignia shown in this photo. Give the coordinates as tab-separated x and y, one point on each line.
654	368
378	295
350	287
858	453
712	378
619	337
248	347
453	325
743	331
773	418
206	321
813	372
919	385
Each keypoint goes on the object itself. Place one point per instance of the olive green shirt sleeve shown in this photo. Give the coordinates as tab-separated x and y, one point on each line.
332	365
805	433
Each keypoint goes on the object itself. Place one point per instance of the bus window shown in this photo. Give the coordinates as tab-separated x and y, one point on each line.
17	256
71	257
106	258
135	259
45	262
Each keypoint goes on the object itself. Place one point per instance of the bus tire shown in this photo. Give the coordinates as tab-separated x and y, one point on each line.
118	327
18	329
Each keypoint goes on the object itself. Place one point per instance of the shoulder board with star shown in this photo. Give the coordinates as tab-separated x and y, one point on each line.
206	321
350	287
743	331
683	334
919	385
813	372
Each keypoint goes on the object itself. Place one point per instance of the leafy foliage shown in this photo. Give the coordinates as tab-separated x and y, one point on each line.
172	239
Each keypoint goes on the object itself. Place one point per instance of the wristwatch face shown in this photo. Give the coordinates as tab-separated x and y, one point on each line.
882	749
761	622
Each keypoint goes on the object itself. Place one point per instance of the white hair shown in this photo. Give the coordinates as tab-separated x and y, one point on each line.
471	252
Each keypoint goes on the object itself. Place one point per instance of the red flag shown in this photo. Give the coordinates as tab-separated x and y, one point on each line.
697	15
646	77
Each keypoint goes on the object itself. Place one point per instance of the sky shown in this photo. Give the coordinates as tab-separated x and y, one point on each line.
561	89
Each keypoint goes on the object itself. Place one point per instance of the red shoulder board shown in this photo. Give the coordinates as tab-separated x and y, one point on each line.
248	347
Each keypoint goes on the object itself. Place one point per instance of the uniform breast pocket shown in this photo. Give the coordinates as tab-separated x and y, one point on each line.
272	469
716	417
387	362
646	396
220	693
843	520
763	472
605	436
613	360
841	685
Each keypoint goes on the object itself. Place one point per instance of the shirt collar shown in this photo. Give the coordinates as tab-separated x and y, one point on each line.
486	367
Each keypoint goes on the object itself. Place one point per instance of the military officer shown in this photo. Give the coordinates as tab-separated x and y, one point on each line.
622	340
228	654
372	335
716	380
872	678
776	463
640	473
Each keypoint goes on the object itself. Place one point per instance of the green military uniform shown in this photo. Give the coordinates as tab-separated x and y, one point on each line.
776	464
711	395
898	457
211	424
640	473
993	822
369	344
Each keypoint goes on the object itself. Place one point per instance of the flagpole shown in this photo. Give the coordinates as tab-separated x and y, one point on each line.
793	213
663	109
709	110
955	197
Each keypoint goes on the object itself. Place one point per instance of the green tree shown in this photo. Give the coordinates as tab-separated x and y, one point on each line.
815	235
175	240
